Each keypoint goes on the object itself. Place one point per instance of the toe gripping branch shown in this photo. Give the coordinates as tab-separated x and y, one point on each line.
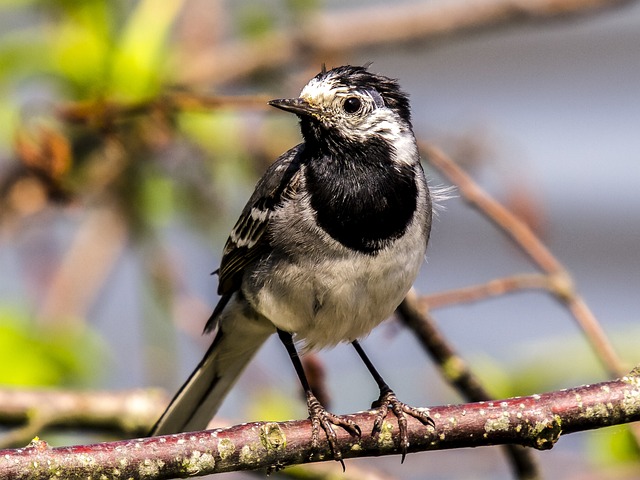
388	400
321	418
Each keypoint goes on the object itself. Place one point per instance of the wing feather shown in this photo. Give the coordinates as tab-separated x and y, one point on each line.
247	240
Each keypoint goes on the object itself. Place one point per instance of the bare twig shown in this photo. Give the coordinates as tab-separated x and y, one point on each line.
560	285
456	371
102	112
493	288
325	34
536	421
453	367
131	412
360	27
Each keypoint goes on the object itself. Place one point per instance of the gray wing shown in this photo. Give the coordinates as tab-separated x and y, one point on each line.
248	240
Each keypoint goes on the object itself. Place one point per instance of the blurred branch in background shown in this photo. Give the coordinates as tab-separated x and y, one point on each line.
321	36
559	281
458	374
101	114
128	413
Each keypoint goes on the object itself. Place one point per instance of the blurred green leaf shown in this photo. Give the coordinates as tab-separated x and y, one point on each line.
613	445
136	70
34	355
217	131
22	53
271	404
157	199
81	47
255	19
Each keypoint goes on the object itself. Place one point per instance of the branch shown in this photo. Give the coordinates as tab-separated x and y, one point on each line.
560	282
324	34
535	421
130	411
457	373
492	288
103	113
366	27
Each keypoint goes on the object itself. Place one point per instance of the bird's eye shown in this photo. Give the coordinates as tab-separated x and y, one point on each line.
352	104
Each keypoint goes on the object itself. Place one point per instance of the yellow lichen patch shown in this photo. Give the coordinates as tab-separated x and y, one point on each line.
631	402
197	462
272	437
598	410
150	468
385	437
546	432
497	424
226	448
249	454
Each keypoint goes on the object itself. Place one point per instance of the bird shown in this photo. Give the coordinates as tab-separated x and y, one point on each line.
326	248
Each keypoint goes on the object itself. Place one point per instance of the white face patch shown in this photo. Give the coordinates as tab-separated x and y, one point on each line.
321	92
328	96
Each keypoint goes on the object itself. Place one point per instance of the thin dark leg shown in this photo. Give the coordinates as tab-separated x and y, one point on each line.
388	399
287	340
382	385
318	415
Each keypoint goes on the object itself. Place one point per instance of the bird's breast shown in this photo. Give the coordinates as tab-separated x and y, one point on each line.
325	293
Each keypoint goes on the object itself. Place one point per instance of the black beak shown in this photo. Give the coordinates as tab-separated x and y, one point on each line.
299	106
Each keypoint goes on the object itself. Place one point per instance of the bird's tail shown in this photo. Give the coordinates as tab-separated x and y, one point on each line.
236	342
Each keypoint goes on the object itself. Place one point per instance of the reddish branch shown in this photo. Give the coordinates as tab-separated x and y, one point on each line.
103	113
322	35
558	279
457	373
365	27
131	411
492	288
535	421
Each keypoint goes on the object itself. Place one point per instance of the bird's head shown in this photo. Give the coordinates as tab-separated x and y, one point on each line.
350	103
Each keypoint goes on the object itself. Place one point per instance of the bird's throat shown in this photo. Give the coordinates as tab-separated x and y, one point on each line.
359	201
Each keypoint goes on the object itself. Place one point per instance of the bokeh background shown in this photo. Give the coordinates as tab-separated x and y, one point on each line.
134	131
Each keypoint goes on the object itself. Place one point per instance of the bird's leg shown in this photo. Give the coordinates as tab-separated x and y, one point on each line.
388	399
318	415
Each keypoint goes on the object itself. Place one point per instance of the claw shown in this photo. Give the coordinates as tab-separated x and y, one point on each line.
400	410
320	417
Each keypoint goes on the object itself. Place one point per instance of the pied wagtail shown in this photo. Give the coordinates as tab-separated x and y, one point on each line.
326	248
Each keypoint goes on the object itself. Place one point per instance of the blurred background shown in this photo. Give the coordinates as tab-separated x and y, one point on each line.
134	131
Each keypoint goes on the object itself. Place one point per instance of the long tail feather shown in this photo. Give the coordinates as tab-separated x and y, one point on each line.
195	404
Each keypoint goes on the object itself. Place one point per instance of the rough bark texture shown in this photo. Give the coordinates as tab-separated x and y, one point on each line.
536	421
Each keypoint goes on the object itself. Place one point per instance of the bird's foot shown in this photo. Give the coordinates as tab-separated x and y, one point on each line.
321	418
388	400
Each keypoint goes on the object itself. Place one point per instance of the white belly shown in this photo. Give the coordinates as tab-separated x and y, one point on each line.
340	298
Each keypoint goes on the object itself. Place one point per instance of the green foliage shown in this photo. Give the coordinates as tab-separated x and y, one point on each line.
157	199
613	446
271	404
136	69
255	19
32	354
303	7
93	49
